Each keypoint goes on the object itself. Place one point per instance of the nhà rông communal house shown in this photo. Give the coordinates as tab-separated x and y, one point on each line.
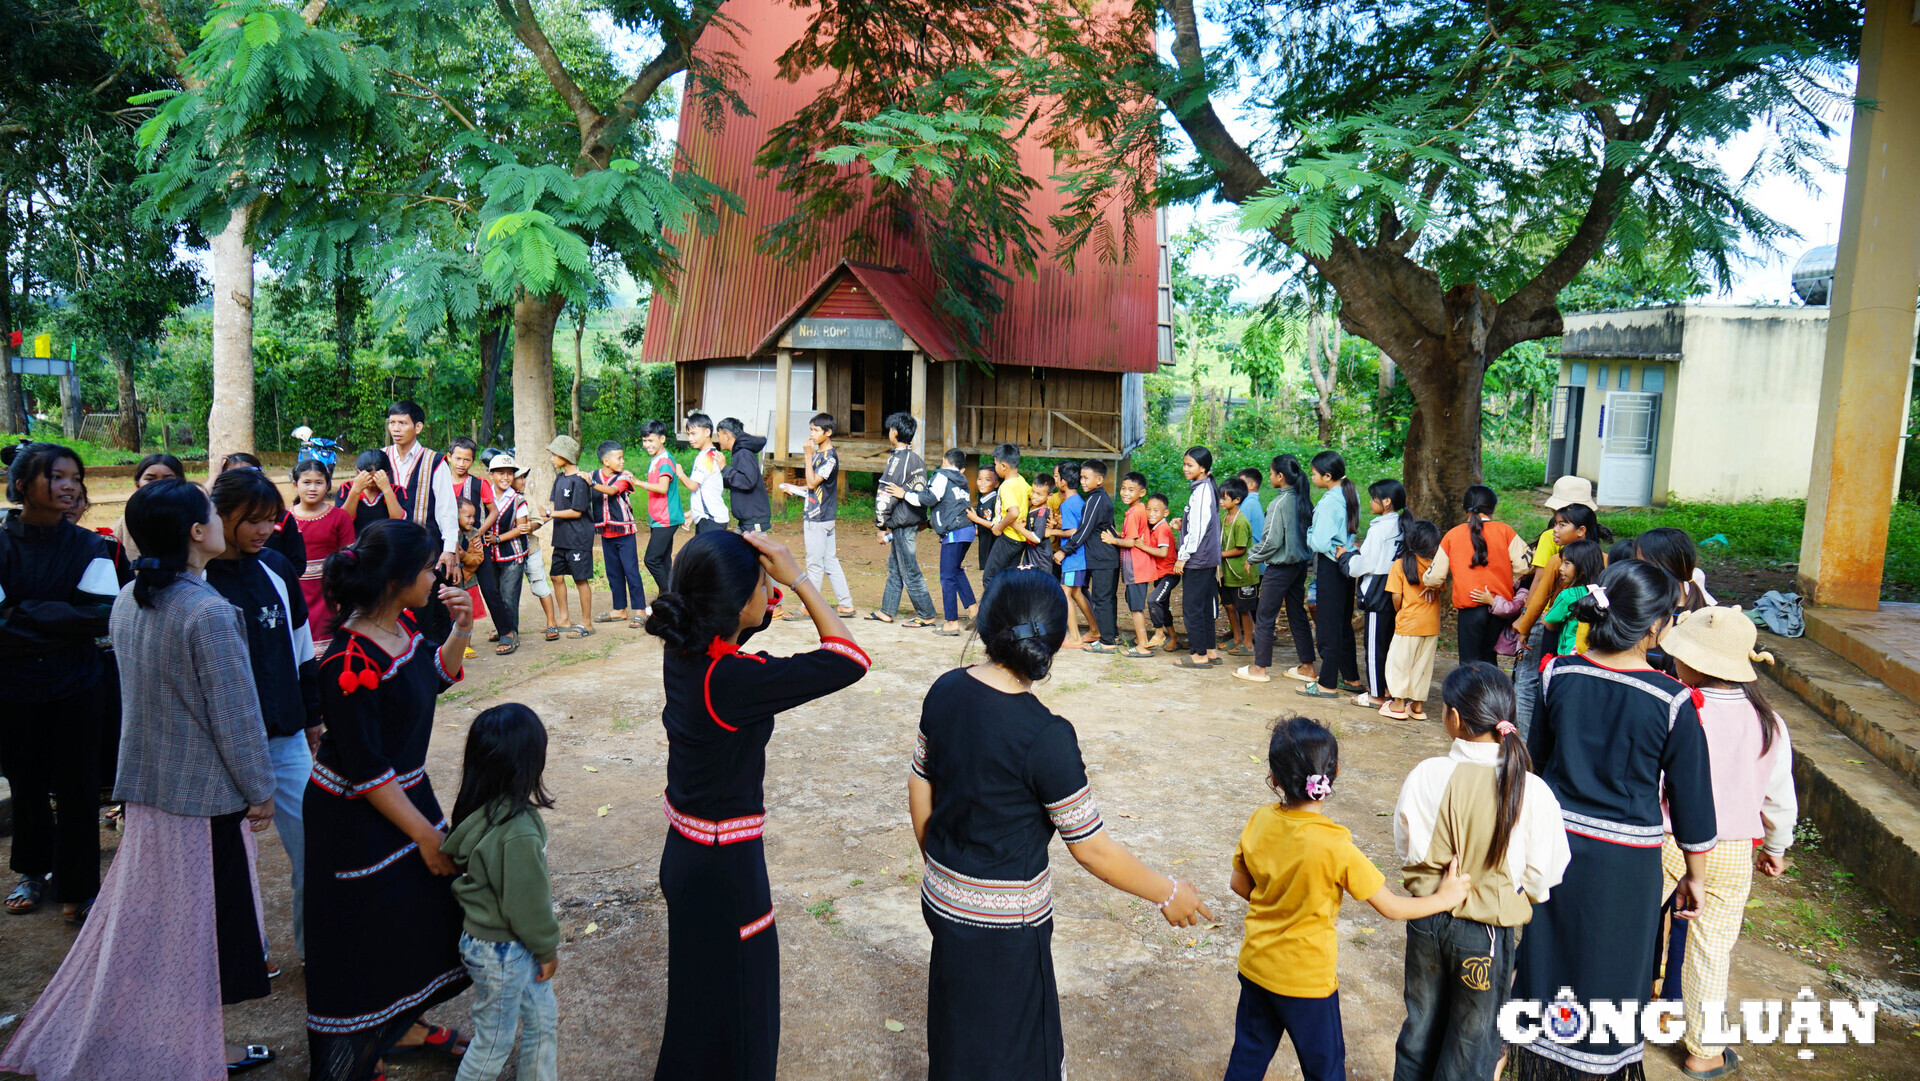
773	342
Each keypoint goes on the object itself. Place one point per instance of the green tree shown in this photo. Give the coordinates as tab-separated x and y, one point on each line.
1446	169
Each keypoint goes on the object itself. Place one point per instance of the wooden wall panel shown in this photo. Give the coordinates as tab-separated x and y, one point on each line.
834	372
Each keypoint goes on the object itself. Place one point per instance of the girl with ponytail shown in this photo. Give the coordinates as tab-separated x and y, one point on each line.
721	705
1754	805
995	775
1482	806
194	771
1479	554
1336	518
1618	743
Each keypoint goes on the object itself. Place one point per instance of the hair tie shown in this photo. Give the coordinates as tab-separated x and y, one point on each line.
1319	786
1028	630
351	555
1599	595
148	563
1505	728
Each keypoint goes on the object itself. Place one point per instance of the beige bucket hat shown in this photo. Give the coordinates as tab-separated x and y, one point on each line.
1716	642
566	447
1570	490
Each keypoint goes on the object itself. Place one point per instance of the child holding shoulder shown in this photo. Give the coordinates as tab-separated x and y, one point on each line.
1753	803
1416	624
1482	808
509	939
1239	580
1292	865
1138	567
1579	566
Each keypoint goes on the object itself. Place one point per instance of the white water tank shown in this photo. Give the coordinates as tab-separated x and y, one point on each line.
1813	274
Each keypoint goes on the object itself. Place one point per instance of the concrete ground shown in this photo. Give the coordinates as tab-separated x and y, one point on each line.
1176	760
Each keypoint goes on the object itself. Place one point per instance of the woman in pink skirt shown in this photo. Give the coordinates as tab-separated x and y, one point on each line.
176	931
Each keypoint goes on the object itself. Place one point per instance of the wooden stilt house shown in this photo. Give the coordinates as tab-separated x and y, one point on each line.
771	342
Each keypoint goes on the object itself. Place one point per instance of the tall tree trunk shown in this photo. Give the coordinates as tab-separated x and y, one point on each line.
1323	367
1448	383
10	410
126	430
534	319
579	330
494	329
230	421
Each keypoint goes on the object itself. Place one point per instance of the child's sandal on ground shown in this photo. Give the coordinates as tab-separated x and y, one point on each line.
1387	710
27	896
508	643
847	611
1242	673
609	617
579	631
1300	673
1416	715
1314	690
552	635
1352	686
1101	647
1238	651
877	617
917	623
1192	665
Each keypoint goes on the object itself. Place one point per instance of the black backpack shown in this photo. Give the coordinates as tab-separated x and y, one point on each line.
951	512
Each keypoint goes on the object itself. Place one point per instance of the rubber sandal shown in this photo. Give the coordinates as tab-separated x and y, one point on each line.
847	611
508	643
1314	690
1171	647
1238	651
27	897
436	1039
1420	716
273	971
578	631
637	624
1296	673
1241	673
875	616
1188	664
1731	1063
1137	652
1216	661
552	634
1386	710
1354	687
917	623
493	636
79	914
257	1055
796	617
1101	647
609	617
1365	701
470	654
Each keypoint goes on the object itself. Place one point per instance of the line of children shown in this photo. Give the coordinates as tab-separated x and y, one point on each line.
611	509
1240	582
505	537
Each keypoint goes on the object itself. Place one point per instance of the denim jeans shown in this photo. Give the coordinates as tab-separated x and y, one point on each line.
1526	679
1263	1017
506	996
1457	977
955	591
292	764
903	572
500	585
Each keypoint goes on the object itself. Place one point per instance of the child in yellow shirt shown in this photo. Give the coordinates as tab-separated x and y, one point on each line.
1291	866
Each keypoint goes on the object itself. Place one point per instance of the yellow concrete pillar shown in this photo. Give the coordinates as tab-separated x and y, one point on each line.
1870	329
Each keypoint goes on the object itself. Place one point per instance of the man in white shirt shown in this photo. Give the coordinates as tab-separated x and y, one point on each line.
423	482
708	509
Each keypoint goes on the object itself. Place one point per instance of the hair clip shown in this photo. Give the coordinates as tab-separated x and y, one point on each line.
148	563
1505	728
1028	630
1319	786
1599	595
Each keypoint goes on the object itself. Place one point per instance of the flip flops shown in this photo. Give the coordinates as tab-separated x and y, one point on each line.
917	623
1314	690
1189	664
1387	710
1138	653
609	617
1296	673
579	631
552	634
1241	673
257	1055
876	617
944	633
1101	647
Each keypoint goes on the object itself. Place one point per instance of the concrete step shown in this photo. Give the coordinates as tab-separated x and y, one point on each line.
1885	644
1872	713
1867	814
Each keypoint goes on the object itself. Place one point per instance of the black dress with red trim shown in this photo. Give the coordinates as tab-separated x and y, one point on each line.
1606	741
383	932
723	952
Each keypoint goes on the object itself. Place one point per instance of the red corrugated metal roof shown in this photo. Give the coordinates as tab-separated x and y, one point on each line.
729	297
895	292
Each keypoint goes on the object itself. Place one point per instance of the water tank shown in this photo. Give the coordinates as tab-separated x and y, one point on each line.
1813	274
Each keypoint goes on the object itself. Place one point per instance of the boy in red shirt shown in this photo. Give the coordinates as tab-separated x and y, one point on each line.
1138	568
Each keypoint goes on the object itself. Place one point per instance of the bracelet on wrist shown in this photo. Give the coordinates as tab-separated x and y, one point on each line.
1162	906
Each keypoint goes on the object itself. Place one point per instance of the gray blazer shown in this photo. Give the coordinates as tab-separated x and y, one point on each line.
191	741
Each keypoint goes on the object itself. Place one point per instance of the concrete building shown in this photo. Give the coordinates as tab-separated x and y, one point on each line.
1701	402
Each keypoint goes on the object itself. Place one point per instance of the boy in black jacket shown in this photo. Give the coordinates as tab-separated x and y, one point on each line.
899	512
1103	561
742	475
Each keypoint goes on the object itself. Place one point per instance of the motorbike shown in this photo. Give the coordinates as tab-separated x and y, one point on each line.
319	448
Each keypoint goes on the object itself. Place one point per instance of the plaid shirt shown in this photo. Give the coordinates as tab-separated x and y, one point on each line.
192	742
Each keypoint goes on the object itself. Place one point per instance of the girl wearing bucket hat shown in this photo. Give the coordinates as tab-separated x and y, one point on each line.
1754	803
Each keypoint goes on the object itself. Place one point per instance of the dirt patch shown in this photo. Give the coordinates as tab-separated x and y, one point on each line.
1176	761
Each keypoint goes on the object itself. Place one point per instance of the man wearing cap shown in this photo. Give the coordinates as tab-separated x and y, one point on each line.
506	540
572	531
1567	491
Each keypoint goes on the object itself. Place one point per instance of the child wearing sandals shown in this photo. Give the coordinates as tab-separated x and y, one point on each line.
1480	807
1416	624
1292	866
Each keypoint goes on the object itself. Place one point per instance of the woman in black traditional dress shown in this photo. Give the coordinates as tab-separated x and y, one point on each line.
383	927
723	952
1610	729
995	774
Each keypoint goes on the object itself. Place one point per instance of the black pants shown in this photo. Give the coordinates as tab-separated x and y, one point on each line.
705	525
626	591
1479	630
1160	600
1263	1017
1199	605
1101	584
500	586
50	753
1378	638
1333	618
1006	553
660	558
236	925
1457	976
1283	584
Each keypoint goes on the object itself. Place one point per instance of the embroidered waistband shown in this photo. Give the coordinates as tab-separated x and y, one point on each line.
340	786
732	831
1619	833
988	902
